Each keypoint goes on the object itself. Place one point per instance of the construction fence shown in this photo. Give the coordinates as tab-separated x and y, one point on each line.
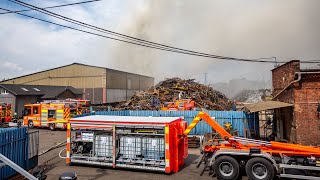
245	123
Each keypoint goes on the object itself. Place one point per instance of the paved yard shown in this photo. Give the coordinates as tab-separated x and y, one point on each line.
57	166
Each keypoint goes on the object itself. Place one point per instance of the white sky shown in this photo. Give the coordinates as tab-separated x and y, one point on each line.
287	29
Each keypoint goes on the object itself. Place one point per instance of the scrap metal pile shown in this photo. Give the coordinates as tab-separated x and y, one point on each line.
169	90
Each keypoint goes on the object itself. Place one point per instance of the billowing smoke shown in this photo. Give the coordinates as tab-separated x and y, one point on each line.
245	29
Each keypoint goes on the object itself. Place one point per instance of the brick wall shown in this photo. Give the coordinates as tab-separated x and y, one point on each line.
307	97
304	127
284	75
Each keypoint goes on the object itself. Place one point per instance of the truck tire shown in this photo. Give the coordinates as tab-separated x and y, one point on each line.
226	168
259	169
30	124
52	126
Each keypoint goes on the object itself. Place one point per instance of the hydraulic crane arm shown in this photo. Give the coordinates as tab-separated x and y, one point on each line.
204	116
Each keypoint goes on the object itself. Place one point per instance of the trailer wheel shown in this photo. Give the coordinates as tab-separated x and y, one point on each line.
226	167
259	169
52	126
30	124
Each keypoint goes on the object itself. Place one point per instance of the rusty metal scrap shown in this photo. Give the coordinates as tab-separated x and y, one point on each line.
169	90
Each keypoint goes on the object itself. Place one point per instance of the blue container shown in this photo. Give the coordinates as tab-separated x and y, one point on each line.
240	120
13	145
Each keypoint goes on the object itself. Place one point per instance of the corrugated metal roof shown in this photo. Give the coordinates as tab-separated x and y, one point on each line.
265	105
127	119
80	64
40	90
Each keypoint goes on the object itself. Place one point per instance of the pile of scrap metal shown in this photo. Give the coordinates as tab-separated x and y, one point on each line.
171	90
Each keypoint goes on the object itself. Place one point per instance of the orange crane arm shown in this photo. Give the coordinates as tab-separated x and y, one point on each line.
204	116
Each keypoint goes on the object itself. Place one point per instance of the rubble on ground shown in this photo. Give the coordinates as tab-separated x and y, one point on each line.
169	90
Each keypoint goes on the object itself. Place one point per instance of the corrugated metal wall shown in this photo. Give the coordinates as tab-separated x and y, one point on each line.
13	145
240	121
19	146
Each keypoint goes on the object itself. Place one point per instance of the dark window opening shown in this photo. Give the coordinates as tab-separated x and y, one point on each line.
27	111
51	113
35	110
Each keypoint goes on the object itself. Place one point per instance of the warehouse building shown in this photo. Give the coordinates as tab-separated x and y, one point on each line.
98	84
300	87
18	95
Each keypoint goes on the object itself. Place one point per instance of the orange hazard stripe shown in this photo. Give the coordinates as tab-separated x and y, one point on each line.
68	143
192	125
167	167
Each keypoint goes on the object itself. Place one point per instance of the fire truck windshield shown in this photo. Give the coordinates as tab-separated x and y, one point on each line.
27	111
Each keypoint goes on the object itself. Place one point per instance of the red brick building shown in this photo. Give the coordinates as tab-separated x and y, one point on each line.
300	87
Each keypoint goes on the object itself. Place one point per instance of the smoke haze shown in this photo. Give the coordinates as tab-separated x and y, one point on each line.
286	29
244	29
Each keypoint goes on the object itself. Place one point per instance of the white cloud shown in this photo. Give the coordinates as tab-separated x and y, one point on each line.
12	66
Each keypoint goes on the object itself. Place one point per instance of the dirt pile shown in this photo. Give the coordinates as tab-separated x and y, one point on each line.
169	90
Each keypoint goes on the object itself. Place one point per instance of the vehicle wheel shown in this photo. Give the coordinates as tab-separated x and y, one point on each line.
52	126
259	169
226	167
30	124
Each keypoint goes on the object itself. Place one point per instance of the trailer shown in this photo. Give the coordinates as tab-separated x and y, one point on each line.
160	144
260	160
145	143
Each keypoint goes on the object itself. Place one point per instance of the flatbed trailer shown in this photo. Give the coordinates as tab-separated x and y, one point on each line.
260	160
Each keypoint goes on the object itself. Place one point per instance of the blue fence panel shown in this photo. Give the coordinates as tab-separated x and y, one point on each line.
13	145
240	120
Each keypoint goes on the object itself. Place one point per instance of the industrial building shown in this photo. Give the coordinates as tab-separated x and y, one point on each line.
98	84
300	87
18	95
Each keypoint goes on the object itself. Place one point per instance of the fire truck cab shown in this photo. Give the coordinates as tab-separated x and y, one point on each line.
51	115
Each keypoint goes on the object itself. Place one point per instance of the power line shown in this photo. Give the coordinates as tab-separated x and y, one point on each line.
137	40
90	32
51	7
133	38
104	30
130	37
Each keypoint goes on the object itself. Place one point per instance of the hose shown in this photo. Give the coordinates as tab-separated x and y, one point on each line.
63	143
61	152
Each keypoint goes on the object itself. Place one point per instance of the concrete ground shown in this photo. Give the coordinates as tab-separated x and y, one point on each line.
57	166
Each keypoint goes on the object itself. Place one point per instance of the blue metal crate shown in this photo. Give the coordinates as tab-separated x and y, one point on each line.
13	145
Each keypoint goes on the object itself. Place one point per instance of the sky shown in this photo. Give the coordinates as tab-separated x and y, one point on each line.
287	29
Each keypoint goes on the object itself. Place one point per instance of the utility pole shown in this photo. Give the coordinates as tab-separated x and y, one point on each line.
275	61
205	78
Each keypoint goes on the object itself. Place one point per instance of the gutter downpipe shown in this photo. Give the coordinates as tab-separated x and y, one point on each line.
294	81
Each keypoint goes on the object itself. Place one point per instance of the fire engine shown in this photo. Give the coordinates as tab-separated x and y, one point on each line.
52	114
179	105
85	105
5	112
